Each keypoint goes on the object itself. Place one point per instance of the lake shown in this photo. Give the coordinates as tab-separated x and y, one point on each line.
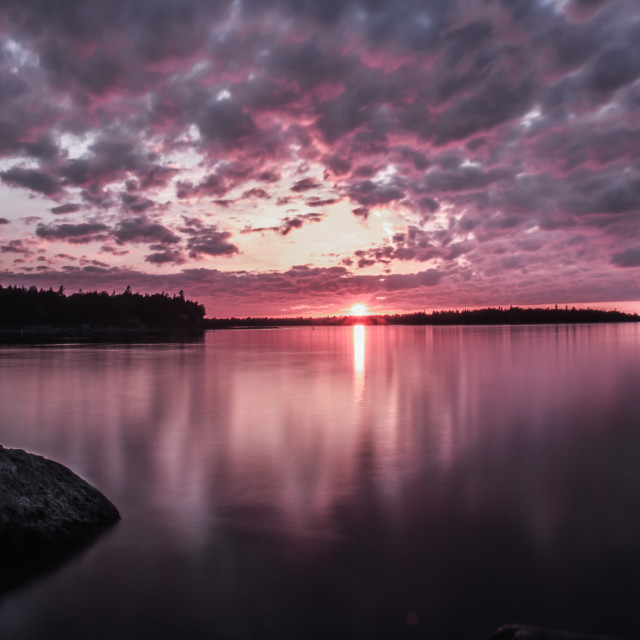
342	482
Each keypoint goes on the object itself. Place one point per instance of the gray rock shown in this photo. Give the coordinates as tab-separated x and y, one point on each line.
43	504
521	632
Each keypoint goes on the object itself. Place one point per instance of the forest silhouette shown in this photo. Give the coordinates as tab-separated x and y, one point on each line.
32	307
489	316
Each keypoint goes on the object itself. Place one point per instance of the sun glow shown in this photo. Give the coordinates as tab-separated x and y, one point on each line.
359	310
358	349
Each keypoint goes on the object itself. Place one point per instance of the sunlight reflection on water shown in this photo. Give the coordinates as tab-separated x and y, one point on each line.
358	359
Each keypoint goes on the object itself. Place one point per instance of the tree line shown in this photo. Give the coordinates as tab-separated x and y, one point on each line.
22	307
489	316
515	315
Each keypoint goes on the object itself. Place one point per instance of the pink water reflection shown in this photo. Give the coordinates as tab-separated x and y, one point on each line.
449	452
283	418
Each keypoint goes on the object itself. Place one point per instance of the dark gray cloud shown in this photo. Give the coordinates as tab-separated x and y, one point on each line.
115	155
369	193
304	184
209	241
98	197
226	176
15	246
361	212
613	68
497	102
296	222
165	256
213	184
428	205
141	229
66	208
416	157
463	178
288	223
227	123
337	165
428	278
33	179
628	258
413	244
256	192
80	233
268	176
607	192
320	202
587	4
136	203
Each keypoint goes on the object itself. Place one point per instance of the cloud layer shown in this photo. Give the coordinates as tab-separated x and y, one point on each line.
271	156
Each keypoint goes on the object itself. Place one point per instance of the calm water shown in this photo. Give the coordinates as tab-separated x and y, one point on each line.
379	482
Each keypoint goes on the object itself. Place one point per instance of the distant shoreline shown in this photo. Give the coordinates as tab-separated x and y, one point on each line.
512	316
488	316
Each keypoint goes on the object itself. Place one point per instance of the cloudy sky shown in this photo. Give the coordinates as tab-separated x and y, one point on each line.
294	157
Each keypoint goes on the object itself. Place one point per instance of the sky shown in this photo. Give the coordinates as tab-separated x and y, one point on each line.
295	157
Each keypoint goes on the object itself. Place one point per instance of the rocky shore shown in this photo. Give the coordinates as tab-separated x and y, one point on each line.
522	632
44	504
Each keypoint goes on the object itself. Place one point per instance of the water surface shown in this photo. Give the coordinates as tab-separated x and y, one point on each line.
344	482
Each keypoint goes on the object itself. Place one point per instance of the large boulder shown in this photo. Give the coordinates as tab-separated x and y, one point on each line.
44	504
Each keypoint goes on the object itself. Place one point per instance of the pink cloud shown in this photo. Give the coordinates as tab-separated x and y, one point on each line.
500	142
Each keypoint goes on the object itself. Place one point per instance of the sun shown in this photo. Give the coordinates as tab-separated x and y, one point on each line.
359	310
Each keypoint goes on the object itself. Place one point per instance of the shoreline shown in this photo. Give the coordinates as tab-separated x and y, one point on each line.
512	316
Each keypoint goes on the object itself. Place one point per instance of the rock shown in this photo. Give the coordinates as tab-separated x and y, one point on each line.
44	504
521	632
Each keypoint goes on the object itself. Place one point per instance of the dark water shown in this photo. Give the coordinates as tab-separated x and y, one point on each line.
379	482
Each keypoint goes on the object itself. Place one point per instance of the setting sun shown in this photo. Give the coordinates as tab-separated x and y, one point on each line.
359	310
